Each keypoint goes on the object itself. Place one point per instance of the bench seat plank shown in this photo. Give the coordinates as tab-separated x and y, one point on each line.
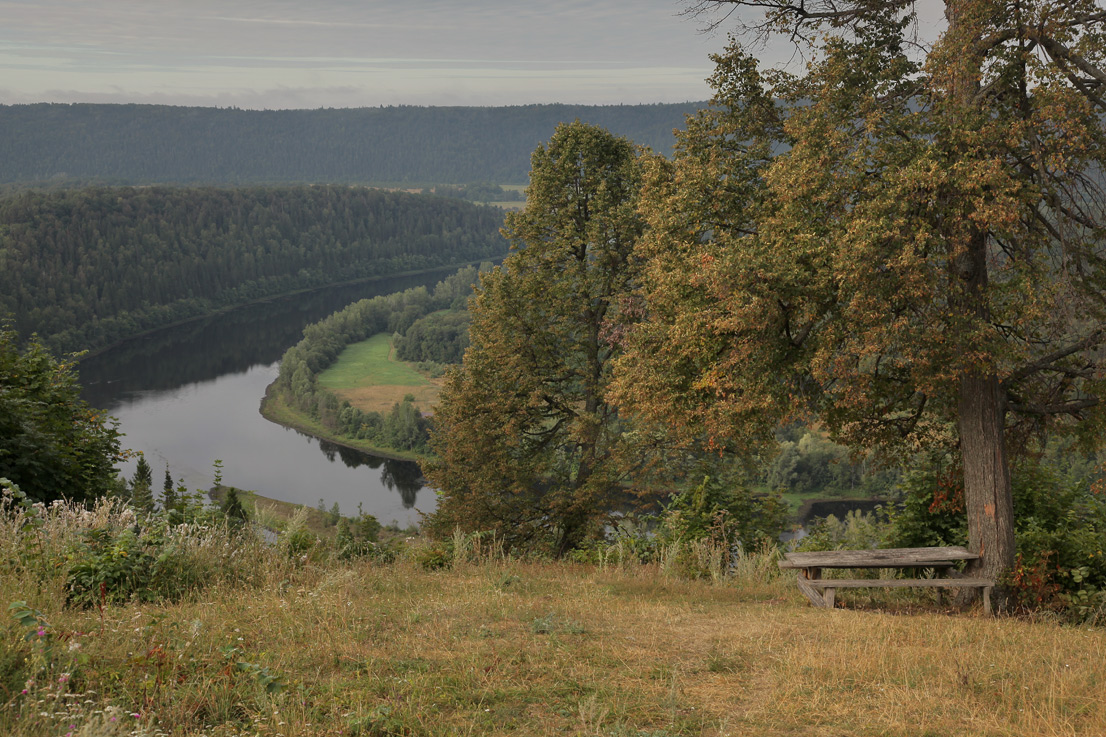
897	583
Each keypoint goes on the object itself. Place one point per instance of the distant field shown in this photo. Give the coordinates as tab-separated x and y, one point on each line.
368	375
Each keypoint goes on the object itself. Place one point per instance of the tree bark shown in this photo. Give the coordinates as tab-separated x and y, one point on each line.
988	499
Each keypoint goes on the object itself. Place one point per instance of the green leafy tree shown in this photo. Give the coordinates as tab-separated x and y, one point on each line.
910	248
52	444
526	437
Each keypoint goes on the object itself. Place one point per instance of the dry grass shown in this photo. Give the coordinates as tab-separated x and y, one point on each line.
306	647
381	397
499	646
275	514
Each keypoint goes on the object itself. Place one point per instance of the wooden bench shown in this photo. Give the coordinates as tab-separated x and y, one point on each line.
821	591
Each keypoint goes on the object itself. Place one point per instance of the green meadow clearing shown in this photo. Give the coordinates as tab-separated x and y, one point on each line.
368	375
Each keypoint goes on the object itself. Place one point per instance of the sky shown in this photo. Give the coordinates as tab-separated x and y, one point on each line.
270	54
352	53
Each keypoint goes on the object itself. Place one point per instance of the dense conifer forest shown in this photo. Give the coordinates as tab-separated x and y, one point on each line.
83	268
148	144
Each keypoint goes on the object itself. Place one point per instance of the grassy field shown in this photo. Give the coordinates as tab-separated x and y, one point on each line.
369	376
493	646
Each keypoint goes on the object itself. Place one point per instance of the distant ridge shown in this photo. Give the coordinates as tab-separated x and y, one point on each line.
159	144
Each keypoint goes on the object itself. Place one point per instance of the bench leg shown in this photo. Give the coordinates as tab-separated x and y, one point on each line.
828	595
987	600
811	593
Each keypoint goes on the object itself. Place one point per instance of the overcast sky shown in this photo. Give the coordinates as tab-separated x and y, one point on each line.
351	53
354	53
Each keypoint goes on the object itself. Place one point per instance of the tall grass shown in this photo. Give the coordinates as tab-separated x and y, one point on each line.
489	644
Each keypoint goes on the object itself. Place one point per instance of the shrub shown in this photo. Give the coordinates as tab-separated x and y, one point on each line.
857	531
106	553
725	511
1059	523
703	528
358	536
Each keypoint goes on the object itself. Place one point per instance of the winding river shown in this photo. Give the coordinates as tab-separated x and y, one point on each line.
188	395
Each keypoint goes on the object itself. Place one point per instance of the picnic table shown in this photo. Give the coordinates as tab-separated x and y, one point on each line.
821	591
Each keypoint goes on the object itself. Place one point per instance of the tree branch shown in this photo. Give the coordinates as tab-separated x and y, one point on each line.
1043	363
1073	407
1060	52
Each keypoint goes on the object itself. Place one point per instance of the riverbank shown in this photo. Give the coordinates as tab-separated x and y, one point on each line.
274	409
275	515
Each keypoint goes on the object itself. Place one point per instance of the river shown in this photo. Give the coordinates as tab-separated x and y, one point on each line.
188	395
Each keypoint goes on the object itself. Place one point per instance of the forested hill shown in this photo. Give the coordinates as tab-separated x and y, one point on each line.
87	267
149	144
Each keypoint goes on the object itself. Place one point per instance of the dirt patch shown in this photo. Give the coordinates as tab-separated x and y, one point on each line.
380	398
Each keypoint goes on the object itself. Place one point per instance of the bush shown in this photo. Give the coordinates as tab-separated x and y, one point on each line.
703	528
724	510
107	553
857	531
152	562
1059	527
357	537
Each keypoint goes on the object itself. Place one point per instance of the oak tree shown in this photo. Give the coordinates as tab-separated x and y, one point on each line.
905	240
526	437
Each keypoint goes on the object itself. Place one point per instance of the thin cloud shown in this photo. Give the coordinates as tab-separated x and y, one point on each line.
348	52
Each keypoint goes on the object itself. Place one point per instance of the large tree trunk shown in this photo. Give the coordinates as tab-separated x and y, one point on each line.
988	499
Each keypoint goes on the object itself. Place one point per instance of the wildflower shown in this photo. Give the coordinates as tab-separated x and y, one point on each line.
41	632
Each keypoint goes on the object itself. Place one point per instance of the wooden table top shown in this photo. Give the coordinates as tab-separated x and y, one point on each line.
878	558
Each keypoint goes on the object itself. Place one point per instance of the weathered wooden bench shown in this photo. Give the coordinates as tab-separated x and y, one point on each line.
821	591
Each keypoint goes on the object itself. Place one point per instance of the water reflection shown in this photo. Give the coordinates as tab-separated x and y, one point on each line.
188	395
229	343
402	476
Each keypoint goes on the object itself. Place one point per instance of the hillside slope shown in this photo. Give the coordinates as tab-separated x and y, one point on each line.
508	647
148	144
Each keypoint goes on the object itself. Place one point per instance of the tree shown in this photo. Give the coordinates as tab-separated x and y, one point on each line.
909	248
142	495
526	436
168	492
232	508
52	444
